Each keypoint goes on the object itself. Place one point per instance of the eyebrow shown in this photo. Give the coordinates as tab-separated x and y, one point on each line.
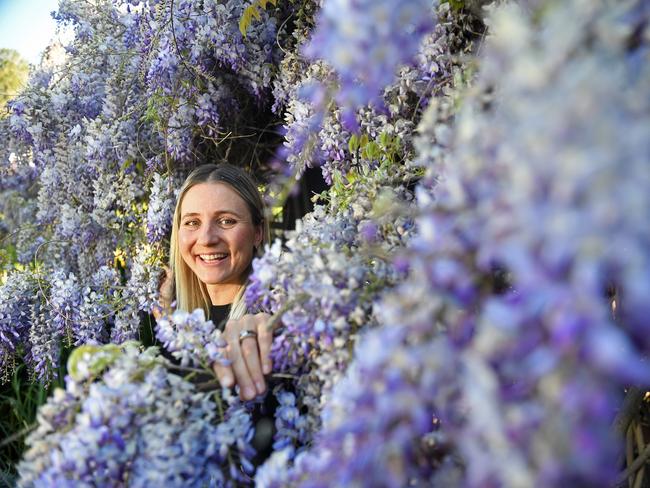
219	212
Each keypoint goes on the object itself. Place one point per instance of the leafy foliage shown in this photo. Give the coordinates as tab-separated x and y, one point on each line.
253	11
13	76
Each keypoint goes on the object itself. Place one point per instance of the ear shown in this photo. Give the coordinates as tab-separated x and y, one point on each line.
259	235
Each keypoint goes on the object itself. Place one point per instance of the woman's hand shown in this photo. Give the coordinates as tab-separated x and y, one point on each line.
165	292
250	356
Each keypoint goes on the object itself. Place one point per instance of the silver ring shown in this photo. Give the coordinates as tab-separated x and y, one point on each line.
247	333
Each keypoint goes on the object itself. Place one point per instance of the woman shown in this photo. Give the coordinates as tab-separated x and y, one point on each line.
219	226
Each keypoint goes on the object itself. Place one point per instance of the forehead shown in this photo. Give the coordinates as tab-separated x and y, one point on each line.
212	197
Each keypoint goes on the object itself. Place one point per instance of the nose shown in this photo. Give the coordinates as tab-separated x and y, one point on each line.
209	234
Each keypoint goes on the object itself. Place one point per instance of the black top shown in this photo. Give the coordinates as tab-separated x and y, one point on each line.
219	315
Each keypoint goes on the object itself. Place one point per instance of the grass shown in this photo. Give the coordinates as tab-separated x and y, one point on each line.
19	401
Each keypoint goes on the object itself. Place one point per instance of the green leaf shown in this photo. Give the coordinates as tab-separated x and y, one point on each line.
13	76
456	5
245	20
372	149
353	143
94	358
364	140
252	11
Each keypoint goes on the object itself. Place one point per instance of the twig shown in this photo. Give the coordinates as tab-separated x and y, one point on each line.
186	369
284	375
634	467
277	36
208	385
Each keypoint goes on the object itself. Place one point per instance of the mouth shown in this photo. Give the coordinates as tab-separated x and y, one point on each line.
213	258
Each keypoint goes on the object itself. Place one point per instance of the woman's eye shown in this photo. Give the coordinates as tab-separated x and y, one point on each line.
227	222
190	223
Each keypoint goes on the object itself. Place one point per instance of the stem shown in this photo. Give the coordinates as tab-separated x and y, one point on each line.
629	451
634	467
640	445
217	398
284	375
186	369
275	319
16	436
207	385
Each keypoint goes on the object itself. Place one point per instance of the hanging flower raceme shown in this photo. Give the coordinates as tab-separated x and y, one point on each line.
533	188
191	338
366	41
124	418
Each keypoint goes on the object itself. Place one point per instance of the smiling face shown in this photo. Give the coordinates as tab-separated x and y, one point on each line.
216	238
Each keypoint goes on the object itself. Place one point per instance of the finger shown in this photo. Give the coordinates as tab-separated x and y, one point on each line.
157	314
224	374
251	355
265	341
247	390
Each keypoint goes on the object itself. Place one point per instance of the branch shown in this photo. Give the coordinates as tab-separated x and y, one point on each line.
633	468
628	411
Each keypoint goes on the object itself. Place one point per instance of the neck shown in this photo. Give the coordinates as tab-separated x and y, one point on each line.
223	293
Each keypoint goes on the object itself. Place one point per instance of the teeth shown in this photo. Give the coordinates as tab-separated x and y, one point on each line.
212	257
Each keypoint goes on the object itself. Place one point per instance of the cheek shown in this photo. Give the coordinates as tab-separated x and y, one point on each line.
243	243
184	243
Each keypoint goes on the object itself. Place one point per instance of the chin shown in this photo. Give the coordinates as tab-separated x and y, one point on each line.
229	279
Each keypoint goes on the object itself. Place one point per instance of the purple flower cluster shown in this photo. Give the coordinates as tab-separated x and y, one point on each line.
191	338
327	279
160	210
139	295
291	427
53	322
366	41
39	315
379	426
138	424
96	312
476	380
524	376
202	43
319	282
318	131
15	291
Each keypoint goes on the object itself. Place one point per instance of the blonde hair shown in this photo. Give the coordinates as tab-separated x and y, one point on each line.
190	292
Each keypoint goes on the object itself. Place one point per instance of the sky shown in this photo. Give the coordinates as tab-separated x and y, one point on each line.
26	26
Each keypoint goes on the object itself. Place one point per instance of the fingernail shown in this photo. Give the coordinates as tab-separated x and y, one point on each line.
226	381
266	368
260	387
249	392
